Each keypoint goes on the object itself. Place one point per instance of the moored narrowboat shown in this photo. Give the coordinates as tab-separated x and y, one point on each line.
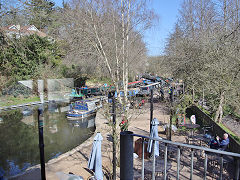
83	109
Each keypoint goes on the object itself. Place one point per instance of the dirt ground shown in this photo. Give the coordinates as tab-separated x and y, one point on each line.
75	161
233	124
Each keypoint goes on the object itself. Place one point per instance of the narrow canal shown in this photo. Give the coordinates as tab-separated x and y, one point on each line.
19	148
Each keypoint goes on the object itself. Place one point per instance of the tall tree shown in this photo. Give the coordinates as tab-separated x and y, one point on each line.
27	57
208	60
107	34
40	13
12	12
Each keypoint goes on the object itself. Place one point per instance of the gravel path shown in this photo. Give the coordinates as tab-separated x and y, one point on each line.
232	123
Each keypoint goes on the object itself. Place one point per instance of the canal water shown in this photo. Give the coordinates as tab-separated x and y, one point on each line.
19	148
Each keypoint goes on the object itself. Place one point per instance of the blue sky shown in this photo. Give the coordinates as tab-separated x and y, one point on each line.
155	38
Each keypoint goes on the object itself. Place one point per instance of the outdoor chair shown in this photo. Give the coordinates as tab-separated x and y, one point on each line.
214	161
207	129
192	141
223	148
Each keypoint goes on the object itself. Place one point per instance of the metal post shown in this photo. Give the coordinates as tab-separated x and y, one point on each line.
237	169
165	161
41	143
126	155
154	161
178	162
143	150
221	167
114	135
170	126
191	173
151	109
205	166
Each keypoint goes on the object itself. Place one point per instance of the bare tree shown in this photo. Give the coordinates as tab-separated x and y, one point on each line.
102	33
105	37
207	58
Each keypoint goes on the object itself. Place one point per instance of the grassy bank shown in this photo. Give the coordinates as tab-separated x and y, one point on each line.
10	100
237	138
97	81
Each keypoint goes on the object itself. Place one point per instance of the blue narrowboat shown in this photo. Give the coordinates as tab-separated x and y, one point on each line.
83	109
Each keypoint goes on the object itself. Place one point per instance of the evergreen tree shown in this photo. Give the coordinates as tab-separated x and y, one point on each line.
29	57
40	13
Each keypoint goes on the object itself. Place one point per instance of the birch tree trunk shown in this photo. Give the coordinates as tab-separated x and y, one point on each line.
191	17
193	94
225	15
219	112
117	59
123	48
125	75
203	97
237	11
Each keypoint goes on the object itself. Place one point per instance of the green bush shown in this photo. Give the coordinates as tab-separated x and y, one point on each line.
25	58
185	102
228	109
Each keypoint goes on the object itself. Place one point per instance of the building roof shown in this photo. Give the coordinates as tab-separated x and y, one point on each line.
23	30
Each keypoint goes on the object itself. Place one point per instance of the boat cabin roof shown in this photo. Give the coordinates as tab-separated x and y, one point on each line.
86	104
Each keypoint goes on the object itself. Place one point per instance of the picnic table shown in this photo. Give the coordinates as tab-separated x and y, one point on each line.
192	127
200	138
172	150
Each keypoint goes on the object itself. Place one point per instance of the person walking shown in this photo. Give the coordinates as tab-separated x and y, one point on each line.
170	92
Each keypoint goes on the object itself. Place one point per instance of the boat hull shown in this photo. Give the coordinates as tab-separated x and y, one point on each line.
88	122
76	116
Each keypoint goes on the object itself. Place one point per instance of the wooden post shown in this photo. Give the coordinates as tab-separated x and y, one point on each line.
41	143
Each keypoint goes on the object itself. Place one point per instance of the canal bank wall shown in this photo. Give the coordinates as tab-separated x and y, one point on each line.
75	160
203	119
6	108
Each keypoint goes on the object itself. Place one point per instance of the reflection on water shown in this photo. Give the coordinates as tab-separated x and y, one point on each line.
19	136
